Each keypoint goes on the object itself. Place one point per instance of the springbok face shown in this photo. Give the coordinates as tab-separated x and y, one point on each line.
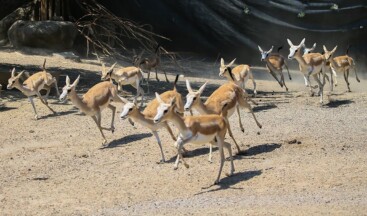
329	54
308	50
68	88
223	69
164	110
265	54
14	79
128	109
137	58
107	73
192	97
293	50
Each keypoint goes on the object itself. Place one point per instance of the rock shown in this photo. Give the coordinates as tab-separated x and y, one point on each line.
293	141
53	35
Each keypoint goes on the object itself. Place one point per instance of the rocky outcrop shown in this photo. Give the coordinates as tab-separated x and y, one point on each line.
53	35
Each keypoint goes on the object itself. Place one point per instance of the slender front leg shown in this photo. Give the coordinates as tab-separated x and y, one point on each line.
321	87
231	135
164	74
335	76
286	66
229	149
100	129
169	131
254	83
346	80
113	109
210	153
56	87
355	72
160	145
34	107
239	118
44	102
156	74
220	142
246	105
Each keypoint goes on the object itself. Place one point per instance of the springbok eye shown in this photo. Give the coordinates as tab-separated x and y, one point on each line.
69	90
296	51
165	111
130	109
194	98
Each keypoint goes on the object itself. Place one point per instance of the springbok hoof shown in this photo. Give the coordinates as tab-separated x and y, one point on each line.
36	117
161	162
186	165
175	167
243	130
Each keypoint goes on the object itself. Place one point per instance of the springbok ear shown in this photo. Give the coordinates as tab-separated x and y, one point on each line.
67	81
173	101
159	99
271	49
13	72
221	62
324	47
314	46
302	42
75	83
231	63
124	100
135	102
188	86
334	48
111	68
202	88
261	50
290	42
103	68
20	74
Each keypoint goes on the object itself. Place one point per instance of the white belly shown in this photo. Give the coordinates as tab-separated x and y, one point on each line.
203	139
128	81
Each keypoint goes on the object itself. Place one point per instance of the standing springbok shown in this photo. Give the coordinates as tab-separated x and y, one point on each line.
229	95
94	101
239	74
33	85
150	62
125	76
197	130
309	64
341	64
146	117
308	50
275	63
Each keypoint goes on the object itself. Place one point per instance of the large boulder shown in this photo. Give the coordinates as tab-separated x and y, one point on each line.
54	35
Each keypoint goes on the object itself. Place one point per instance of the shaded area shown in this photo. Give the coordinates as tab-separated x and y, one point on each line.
264	107
127	139
260	149
338	103
226	182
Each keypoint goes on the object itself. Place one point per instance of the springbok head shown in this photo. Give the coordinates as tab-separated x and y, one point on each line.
107	73
265	54
308	50
223	69
68	88
192	97
294	49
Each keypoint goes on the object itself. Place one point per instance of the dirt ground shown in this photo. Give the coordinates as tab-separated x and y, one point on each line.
307	159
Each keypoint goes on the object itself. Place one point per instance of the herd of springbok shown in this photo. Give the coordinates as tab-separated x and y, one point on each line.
212	124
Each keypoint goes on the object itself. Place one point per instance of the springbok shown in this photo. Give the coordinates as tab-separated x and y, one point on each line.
308	50
146	117
309	64
239	74
197	130
94	101
125	76
33	85
341	64
229	95
150	62
275	63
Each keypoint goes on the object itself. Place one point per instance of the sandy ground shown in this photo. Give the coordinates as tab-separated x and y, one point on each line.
55	166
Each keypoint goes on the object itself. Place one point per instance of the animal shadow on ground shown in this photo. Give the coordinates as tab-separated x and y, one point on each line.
264	107
264	148
4	108
58	114
127	139
337	103
228	181
193	153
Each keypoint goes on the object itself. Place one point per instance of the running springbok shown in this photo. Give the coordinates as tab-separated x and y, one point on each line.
145	118
239	74
275	63
197	130
150	62
33	85
94	101
341	64
229	95
309	64
125	76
